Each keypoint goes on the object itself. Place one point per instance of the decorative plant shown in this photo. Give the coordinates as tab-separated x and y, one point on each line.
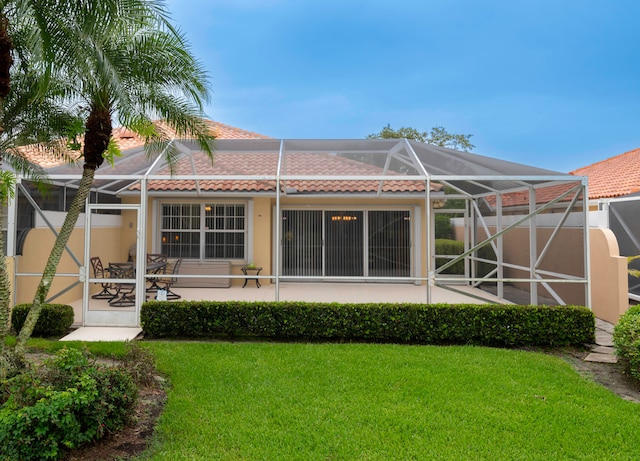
251	266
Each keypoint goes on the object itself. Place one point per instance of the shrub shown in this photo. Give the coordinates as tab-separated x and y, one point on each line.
54	320
626	337
443	230
456	247
139	363
68	402
450	247
499	325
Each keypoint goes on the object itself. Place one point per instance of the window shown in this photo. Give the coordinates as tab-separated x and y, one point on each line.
204	230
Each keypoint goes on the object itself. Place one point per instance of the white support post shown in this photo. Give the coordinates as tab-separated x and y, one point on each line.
499	246
430	234
587	244
533	247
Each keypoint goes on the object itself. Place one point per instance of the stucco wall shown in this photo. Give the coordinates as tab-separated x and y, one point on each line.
105	243
609	282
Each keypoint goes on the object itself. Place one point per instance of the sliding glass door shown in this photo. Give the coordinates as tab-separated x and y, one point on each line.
339	243
344	243
389	234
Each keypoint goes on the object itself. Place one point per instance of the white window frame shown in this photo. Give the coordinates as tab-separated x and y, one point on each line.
248	224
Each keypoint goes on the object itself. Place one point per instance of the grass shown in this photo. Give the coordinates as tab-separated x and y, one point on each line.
266	401
262	401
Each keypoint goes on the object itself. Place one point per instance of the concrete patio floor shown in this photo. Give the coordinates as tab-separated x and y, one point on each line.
316	292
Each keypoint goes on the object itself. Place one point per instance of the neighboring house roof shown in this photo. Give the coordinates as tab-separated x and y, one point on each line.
127	140
613	177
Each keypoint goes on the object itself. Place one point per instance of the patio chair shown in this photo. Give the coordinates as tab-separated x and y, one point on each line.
156	264
165	283
99	272
125	292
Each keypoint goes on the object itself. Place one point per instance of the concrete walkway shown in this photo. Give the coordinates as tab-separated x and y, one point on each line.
95	334
603	350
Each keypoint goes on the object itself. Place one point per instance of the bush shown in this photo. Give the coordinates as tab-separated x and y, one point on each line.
54	320
68	402
456	247
496	325
443	230
450	247
626	337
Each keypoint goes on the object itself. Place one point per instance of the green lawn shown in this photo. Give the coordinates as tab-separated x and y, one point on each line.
264	401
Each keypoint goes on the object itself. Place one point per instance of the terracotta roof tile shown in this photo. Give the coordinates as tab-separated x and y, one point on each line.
613	177
252	164
127	140
544	195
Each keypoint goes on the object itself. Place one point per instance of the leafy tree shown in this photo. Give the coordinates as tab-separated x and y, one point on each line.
134	68
438	136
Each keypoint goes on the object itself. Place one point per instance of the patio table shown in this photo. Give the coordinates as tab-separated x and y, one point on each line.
246	270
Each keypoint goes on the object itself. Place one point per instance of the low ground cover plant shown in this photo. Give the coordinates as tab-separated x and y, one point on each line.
626	337
66	402
489	324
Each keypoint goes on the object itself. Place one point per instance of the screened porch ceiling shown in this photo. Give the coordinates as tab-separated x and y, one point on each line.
380	167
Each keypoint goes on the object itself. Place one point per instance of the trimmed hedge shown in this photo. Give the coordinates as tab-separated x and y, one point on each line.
456	247
495	325
54	320
626	337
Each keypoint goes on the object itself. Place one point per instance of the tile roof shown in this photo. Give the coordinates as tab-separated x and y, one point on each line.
613	177
127	140
544	195
265	163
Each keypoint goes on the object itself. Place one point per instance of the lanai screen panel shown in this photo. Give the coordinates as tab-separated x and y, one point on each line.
624	222
369	167
334	168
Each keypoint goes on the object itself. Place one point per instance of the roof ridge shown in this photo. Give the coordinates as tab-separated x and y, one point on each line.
614	157
215	124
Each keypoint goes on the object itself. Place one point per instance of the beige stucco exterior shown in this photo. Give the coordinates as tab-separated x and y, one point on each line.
608	269
37	247
609	282
115	242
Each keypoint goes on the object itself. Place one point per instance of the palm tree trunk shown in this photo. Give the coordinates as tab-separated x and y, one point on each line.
54	258
96	141
5	295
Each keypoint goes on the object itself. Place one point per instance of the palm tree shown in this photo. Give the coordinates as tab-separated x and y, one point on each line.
136	70
27	120
28	116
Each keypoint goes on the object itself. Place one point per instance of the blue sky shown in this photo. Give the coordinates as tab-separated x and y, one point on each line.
550	83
